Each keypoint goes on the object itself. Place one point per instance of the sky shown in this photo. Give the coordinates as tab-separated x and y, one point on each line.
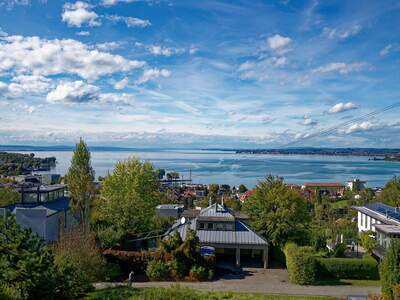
202	74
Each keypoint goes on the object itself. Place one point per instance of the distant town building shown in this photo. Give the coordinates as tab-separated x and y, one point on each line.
330	189
356	185
219	228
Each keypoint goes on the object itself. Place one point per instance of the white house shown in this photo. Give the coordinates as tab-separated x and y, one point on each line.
383	220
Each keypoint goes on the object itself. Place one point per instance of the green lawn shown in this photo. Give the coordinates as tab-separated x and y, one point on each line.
341	204
179	293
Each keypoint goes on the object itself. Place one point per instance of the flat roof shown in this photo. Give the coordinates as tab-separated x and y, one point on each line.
51	207
170	206
389	229
42	188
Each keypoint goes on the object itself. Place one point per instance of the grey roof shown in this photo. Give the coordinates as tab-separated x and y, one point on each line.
170	206
243	235
389	229
216	212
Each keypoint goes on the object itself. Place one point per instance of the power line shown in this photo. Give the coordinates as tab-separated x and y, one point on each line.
332	129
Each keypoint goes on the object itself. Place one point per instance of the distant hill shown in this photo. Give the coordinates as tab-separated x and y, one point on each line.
371	152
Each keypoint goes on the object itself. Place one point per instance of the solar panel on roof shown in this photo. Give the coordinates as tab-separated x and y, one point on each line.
384	209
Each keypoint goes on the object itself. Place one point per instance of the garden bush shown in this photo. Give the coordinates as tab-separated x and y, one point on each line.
157	270
301	264
348	268
198	273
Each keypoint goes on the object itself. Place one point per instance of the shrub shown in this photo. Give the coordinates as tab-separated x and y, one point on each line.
113	272
390	270
157	270
10	292
368	242
348	268
79	247
339	250
301	264
198	273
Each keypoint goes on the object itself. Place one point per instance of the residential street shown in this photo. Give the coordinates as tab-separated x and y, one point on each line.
269	281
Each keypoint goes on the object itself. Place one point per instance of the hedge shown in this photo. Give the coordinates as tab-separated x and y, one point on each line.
348	268
301	264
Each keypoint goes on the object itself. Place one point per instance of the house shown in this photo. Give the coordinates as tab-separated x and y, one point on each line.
383	220
356	185
43	209
170	210
219	228
330	189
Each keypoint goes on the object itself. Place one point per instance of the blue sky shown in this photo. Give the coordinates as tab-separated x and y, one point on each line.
198	73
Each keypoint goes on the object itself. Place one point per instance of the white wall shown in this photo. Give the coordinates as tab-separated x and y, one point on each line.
366	223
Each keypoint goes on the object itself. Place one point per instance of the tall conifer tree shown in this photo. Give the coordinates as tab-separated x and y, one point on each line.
80	179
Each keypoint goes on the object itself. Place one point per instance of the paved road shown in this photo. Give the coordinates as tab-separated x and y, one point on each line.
269	281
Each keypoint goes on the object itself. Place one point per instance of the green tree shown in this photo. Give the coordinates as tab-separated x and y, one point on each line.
26	263
172	175
212	192
233	204
161	173
127	202
242	188
390	269
8	196
391	192
277	212
80	180
367	241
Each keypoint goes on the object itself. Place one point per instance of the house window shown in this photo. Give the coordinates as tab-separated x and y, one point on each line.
229	227
210	226
201	225
220	226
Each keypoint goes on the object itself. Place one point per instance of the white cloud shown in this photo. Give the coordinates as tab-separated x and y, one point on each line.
79	13
193	50
29	84
108	46
389	48
279	44
360	127
73	92
114	2
83	33
333	33
113	98
130	21
165	51
119	85
150	74
340	67
308	121
341	107
35	56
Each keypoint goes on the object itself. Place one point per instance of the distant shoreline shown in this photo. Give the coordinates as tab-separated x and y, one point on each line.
386	154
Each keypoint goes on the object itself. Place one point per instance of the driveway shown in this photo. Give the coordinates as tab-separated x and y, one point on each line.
255	280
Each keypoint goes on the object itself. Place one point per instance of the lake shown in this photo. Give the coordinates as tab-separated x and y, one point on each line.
234	169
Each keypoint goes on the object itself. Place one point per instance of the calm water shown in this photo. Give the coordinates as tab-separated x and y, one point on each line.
234	169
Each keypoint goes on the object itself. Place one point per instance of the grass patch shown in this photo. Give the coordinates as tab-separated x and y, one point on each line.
340	204
180	293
